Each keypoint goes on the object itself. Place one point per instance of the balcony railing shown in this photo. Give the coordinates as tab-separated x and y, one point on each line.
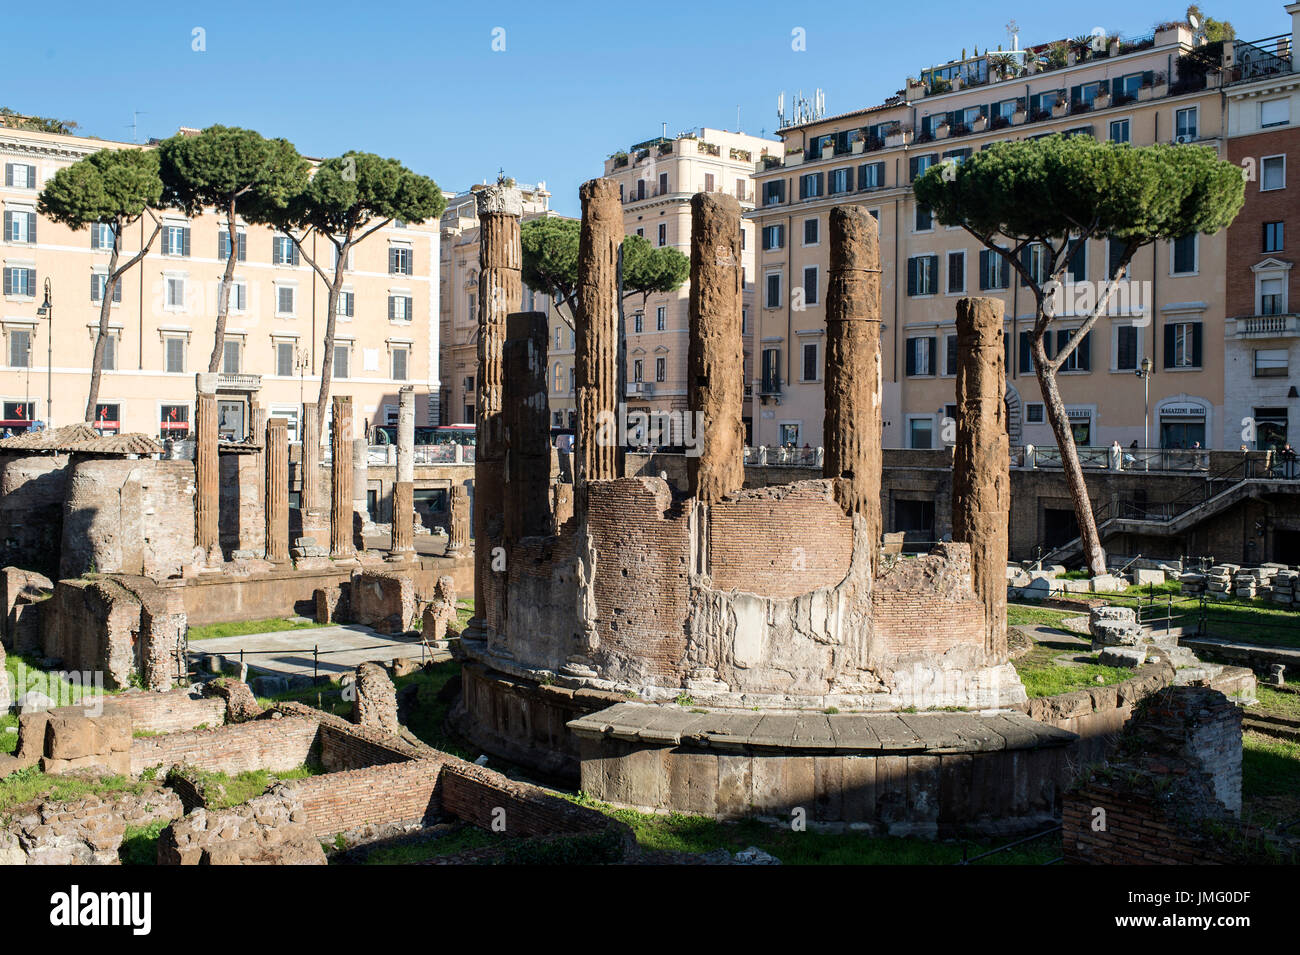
1269	326
226	382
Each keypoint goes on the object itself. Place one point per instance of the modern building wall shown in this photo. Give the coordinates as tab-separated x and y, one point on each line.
162	329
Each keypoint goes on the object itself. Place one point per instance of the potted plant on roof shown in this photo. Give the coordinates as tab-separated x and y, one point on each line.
941	130
1001	65
1112	46
1102	99
1159	85
1079	49
980	124
1060	107
828	148
858	143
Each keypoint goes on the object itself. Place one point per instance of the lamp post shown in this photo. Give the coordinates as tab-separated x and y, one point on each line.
1145	372
47	310
301	361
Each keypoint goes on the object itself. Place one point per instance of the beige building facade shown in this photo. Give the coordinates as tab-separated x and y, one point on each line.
656	180
1171	310
163	319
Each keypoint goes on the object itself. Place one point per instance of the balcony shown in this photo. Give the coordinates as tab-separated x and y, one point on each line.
239	383
640	389
1268	326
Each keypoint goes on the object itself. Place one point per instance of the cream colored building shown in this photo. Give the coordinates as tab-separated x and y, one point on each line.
1171	311
162	327
459	271
656	180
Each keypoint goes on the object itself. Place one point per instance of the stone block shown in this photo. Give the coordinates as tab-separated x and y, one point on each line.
1118	656
1108	584
1143	576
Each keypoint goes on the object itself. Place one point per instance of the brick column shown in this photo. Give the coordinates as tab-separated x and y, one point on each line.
853	372
277	490
458	525
207	471
527	505
596	356
341	479
309	505
715	364
981	479
403	543
500	289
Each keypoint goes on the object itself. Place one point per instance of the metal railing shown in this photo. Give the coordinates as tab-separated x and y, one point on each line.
969	860
787	456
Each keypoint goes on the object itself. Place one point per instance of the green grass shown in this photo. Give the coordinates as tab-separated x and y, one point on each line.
8	741
1019	615
213	631
26	785
25	675
1277	702
140	844
678	832
1270	780
428	715
462	840
221	790
326	696
1051	680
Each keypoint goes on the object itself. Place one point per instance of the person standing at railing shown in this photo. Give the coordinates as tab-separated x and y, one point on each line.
1287	458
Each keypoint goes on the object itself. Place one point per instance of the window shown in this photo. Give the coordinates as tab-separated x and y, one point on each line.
638	322
773	237
920	432
1026	364
924	219
101	236
956	272
401	260
20	348
917	165
772	299
342	353
708	182
1183	256
283	251
1183	345
1275	112
661	369
20	175
20	226
284	359
661	318
20	280
811	231
108	418
950	356
346	303
1036	260
173	421
663	233
1185	124
922	275
1273	232
175	291
810	185
995	270
284	299
176	240
223	246
920	357
638	369
1035	412
809	362
871	175
1271	363
231	352
841	180
97	282
1272	296
400	357
401	308
1272	173
771	384
810	296
1119	131
663	183
239	295
1115	249
1081	358
774	192
174	349
1126	348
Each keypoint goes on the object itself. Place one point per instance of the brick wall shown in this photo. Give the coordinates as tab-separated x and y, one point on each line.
927	605
172	712
271	744
403	792
92	625
243	525
31	510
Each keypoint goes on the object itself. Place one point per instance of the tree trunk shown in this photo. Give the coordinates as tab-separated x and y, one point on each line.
223	293
1093	554
105	313
331	319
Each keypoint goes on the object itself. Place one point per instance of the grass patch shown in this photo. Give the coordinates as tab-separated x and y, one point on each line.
213	631
8	740
1278	702
462	840
25	676
140	844
678	832
324	696
1270	780
1020	615
429	713
1051	680
30	784
222	791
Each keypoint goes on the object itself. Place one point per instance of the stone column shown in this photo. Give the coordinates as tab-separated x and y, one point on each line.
277	490
527	505
458	525
361	481
403	544
715	363
981	479
500	289
596	356
258	417
341	479
207	470
309	505
853	370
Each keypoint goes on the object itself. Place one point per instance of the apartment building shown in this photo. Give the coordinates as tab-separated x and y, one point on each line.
1262	331
1161	88
459	271
163	313
656	180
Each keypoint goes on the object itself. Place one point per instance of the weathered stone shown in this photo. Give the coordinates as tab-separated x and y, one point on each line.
341	530
981	493
458	524
715	360
207	533
597	334
404	488
384	600
441	610
1123	656
277	490
375	704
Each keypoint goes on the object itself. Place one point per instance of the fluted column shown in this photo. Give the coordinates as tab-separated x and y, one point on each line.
403	544
341	479
207	471
527	503
277	490
458	525
309	504
596	355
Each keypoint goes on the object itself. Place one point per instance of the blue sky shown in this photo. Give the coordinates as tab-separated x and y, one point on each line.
420	80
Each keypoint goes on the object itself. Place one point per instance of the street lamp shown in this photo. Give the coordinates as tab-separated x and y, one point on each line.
47	310
1145	372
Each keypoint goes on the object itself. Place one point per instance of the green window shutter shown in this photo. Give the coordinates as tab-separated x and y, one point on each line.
1169	346
1196	344
911	355
185	241
1026	357
911	276
1025	262
950	364
1085	353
